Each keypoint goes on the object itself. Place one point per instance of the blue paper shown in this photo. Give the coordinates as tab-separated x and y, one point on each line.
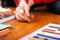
3	26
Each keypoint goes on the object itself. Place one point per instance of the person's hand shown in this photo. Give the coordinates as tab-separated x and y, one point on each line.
22	12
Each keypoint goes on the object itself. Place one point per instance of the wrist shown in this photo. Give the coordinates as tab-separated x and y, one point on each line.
23	2
30	2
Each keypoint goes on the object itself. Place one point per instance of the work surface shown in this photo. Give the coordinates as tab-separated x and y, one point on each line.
21	29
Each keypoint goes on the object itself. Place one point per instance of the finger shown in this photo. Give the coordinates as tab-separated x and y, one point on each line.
27	18
27	14
20	14
27	11
18	17
24	15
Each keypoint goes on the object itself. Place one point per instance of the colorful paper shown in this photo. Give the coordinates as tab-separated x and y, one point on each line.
48	32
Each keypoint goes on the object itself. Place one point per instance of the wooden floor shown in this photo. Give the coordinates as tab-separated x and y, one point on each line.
21	29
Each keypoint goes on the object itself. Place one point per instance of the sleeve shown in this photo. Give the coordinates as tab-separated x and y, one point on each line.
37	1
43	1
17	1
48	1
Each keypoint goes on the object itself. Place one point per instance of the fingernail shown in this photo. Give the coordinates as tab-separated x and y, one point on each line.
28	15
21	11
29	20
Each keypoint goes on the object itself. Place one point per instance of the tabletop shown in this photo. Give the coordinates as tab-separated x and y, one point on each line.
20	29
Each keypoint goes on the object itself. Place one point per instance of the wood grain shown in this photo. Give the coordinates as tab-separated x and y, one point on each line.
20	29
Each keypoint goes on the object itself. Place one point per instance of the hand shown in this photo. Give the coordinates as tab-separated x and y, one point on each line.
24	15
